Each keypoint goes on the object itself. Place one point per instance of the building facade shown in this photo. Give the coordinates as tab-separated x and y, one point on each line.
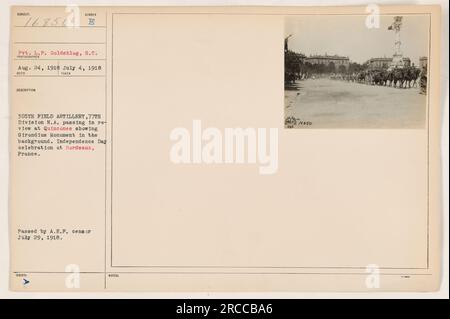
328	60
385	63
423	62
379	63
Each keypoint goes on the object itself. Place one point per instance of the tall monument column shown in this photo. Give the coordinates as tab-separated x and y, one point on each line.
397	59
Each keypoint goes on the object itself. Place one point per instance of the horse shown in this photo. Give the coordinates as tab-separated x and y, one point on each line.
412	74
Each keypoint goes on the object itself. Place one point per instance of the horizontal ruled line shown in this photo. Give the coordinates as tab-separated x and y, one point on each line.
62	59
52	42
222	273
59	26
267	267
59	76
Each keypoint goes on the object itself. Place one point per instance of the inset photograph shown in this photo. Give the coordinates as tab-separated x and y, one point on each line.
349	71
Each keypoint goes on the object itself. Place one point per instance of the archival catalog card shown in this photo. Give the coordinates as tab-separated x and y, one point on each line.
225	148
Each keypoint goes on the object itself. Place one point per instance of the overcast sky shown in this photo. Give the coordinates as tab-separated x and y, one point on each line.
348	36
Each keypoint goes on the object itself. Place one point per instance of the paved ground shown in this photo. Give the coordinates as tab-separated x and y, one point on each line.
326	103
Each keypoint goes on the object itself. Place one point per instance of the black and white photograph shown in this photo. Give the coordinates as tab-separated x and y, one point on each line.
355	71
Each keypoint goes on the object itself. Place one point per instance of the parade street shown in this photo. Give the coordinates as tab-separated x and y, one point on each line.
331	103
